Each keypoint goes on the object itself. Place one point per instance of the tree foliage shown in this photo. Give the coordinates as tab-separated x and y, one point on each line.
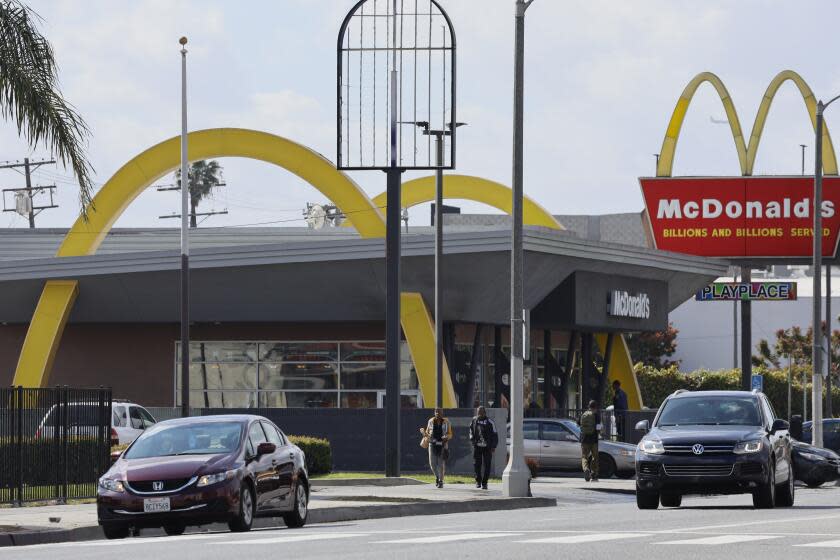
204	176
794	344
652	348
30	95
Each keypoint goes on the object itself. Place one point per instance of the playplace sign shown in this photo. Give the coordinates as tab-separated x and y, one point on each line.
751	217
752	291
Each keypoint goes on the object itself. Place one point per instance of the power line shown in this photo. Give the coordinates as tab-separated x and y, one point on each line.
24	197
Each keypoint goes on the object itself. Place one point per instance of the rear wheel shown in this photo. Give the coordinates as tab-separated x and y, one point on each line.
765	496
174	529
786	493
115	531
671	500
297	517
245	518
647	500
606	466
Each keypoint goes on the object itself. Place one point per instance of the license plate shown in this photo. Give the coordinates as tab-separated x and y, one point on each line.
155	505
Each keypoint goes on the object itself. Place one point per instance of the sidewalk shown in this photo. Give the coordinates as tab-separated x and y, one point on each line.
352	500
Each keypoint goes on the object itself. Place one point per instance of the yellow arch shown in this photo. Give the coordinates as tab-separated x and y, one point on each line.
478	189
746	152
54	306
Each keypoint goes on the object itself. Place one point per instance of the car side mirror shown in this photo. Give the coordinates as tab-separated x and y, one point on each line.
266	448
643	425
115	456
779	425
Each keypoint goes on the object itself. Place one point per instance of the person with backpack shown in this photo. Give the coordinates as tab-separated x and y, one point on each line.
484	439
436	434
589	428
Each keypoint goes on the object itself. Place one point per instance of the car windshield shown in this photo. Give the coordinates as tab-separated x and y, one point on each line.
209	438
710	411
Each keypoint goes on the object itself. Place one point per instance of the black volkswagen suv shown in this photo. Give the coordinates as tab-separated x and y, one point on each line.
714	442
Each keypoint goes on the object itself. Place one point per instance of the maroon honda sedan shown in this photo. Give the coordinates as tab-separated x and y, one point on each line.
194	471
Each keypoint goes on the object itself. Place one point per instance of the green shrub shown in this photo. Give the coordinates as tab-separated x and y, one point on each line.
318	453
657	383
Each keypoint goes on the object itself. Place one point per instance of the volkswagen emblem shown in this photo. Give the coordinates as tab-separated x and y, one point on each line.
158	486
697	449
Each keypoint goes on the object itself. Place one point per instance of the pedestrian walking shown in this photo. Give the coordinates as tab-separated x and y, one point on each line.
437	433
484	439
589	428
619	407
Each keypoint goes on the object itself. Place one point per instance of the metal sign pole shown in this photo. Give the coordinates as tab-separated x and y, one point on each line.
816	377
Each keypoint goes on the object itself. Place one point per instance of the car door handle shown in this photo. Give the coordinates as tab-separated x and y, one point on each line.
546	446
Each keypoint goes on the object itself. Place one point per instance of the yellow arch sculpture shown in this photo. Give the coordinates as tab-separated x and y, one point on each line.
467	187
746	152
57	299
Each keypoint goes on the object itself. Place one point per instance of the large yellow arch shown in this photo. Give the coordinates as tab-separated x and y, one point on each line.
57	299
477	189
746	152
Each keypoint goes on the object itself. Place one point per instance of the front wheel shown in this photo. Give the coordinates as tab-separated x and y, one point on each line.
174	529
115	531
297	517
647	500
765	496
243	520
671	500
785	493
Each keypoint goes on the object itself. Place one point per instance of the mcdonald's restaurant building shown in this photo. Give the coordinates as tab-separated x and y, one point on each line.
293	317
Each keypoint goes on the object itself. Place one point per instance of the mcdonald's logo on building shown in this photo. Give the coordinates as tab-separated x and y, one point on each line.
744	216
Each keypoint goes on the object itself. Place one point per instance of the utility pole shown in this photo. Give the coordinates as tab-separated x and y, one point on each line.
803	146
516	477
28	207
193	214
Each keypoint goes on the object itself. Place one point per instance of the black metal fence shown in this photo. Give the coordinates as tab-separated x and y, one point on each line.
54	443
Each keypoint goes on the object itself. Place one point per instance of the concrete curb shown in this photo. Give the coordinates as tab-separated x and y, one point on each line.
383	482
325	515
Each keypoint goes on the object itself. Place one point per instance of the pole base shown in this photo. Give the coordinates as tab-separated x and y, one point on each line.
516	480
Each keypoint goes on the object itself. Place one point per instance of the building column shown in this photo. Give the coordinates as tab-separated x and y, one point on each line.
548	371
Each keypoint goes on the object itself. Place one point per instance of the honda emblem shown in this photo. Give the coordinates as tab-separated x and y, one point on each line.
158	486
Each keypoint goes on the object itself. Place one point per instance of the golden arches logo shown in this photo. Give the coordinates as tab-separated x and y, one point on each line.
746	150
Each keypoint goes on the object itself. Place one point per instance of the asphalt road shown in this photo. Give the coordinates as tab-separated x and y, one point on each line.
597	526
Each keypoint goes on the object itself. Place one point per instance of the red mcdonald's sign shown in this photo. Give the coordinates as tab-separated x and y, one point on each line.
750	217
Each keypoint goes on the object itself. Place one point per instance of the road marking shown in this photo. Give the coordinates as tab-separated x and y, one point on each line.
574	539
722	539
449	538
824	544
300	537
747	524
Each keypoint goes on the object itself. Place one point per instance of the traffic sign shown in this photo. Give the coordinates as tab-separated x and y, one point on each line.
757	383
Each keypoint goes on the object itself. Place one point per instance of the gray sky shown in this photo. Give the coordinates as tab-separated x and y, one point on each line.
602	78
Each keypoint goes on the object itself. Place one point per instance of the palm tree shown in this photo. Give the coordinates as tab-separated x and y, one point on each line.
204	177
30	96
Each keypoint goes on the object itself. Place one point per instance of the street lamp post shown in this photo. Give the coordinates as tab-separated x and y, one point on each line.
817	376
439	135
515	480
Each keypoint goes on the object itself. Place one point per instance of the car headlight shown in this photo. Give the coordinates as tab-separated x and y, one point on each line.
209	479
748	447
627	452
811	456
111	485
651	447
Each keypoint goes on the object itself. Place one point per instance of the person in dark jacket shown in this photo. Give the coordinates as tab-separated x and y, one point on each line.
484	439
619	408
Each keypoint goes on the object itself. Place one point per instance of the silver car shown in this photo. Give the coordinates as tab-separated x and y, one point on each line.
554	444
